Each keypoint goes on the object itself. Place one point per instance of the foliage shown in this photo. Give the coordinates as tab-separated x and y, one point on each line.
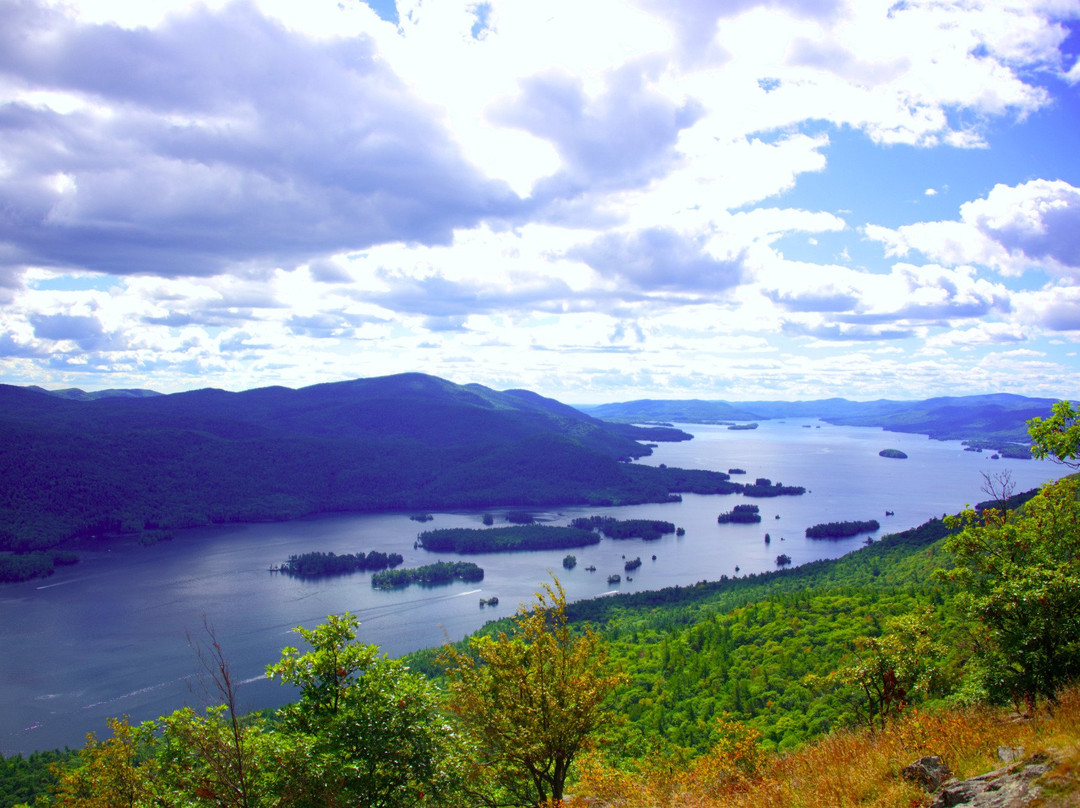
897	668
505	539
114	773
441	572
1019	576
23	778
374	733
1058	436
841	530
532	699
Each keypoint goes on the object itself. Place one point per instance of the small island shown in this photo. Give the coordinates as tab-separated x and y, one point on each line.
505	539
614	578
764	487
841	530
313	564
893	453
632	565
441	572
743	426
569	562
740	514
645	529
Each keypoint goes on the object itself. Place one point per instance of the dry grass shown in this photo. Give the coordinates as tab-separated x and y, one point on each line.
852	768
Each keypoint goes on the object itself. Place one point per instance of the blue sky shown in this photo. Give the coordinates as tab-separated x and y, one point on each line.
598	202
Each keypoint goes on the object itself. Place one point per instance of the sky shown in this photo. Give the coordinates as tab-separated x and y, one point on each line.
598	201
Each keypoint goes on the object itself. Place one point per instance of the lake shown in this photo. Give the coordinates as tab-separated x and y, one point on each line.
109	636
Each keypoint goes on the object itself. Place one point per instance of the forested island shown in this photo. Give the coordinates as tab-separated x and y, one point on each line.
895	454
312	564
646	529
437	574
841	530
741	514
764	487
505	539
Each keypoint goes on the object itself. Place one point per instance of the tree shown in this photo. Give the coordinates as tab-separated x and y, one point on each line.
113	773
1057	437
1019	575
895	669
372	726
533	698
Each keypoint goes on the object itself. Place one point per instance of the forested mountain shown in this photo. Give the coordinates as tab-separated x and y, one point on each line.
130	463
986	419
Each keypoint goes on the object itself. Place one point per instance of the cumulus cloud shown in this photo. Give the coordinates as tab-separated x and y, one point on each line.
217	139
623	138
660	258
1011	229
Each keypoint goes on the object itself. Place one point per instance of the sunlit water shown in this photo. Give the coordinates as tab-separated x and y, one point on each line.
108	637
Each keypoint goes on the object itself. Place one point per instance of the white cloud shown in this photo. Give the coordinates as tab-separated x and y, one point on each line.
1012	229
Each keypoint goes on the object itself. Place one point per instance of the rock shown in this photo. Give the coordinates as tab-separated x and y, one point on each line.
1010	754
928	772
1010	787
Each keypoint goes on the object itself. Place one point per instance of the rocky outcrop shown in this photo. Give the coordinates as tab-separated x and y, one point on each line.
1019	784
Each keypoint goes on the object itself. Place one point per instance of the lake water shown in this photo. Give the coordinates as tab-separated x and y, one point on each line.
108	637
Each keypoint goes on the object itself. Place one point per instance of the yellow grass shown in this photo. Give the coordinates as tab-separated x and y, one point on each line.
852	767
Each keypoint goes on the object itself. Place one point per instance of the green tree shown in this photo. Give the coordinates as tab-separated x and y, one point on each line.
375	735
531	700
895	669
1019	575
1058	436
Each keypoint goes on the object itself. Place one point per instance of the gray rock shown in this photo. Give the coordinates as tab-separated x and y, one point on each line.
1010	754
929	772
1010	787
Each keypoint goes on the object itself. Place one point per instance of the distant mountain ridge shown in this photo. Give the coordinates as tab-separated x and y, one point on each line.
996	418
75	465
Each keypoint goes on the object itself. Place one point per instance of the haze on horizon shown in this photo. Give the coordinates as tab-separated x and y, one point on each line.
772	200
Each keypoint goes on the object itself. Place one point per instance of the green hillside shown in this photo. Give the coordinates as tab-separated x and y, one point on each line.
91	465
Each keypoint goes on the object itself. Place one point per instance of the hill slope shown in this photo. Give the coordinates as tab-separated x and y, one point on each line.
71	466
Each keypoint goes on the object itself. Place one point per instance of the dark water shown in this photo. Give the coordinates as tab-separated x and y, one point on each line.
108	637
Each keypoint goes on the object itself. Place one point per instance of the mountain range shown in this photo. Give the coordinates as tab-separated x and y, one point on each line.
74	464
993	420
